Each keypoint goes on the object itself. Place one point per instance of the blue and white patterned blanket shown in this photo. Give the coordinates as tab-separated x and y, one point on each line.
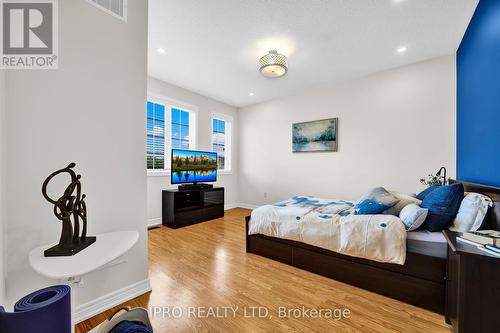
332	224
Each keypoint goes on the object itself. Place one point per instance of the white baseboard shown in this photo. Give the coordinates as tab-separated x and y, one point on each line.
154	222
230	206
157	221
239	205
247	206
106	302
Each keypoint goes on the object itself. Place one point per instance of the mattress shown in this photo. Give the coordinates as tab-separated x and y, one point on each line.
426	243
330	224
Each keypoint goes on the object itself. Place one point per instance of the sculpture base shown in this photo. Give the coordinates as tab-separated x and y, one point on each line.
57	251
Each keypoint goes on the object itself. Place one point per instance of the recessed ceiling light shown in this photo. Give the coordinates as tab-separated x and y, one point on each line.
251	94
160	50
402	49
398	1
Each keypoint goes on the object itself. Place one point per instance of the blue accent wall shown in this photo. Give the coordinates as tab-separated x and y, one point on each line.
478	97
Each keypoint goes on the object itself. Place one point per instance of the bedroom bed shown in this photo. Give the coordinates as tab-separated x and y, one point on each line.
419	281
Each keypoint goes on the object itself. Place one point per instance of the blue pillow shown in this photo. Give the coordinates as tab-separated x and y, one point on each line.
443	204
375	202
425	192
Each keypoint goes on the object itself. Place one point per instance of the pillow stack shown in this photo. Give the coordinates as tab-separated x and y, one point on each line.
435	209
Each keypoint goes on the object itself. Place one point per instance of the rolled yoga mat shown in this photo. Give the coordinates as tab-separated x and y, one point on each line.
46	310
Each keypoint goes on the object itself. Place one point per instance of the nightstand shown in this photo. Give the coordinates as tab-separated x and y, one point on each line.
472	301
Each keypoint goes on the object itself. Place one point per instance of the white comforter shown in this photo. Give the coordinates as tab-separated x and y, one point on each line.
332	225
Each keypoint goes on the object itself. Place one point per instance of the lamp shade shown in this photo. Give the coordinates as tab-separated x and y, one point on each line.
273	64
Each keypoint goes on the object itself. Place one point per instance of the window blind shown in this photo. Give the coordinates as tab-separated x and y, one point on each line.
155	136
219	141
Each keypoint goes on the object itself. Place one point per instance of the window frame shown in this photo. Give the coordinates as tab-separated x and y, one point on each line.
228	120
107	11
157	101
170	103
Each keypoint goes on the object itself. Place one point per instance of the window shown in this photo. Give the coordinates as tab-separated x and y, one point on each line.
169	125
180	129
155	136
221	141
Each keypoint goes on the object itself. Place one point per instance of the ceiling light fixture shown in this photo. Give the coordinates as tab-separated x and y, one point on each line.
251	94
160	50
273	64
402	49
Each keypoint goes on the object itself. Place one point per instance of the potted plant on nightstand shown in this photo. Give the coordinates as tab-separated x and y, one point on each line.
435	179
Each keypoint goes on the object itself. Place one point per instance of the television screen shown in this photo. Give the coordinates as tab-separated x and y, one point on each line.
189	166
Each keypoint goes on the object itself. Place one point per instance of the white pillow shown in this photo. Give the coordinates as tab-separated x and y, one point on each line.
404	200
413	216
471	214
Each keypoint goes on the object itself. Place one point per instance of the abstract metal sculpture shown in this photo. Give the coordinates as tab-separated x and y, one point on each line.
69	208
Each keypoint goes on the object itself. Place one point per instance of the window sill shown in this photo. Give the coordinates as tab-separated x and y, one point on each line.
166	173
162	173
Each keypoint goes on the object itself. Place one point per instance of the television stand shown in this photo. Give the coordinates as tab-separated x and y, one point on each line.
184	207
194	186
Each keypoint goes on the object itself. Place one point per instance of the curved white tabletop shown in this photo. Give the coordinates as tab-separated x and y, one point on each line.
107	248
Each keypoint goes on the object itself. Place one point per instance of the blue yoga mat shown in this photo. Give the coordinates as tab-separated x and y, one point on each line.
130	327
46	310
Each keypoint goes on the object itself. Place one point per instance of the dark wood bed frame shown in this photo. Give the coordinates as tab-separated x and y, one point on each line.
420	281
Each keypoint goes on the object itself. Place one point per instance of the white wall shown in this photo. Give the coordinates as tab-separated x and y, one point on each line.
88	111
2	185
394	127
206	107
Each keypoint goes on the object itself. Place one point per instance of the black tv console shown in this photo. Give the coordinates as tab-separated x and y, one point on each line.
184	207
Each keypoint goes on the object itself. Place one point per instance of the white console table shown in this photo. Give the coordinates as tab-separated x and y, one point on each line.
108	249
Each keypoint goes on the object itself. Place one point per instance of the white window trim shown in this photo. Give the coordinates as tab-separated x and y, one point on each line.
170	103
107	11
157	173
193	119
229	141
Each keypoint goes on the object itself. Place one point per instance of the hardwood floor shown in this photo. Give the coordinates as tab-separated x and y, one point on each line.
205	265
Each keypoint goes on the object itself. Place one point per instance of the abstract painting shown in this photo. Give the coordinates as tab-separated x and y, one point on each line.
318	135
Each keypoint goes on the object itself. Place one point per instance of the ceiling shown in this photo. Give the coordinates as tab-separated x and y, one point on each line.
212	47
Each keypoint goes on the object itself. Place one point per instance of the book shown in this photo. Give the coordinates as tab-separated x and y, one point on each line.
490	249
493	248
485	249
463	240
483	237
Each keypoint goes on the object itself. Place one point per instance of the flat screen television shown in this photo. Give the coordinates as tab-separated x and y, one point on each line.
190	166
